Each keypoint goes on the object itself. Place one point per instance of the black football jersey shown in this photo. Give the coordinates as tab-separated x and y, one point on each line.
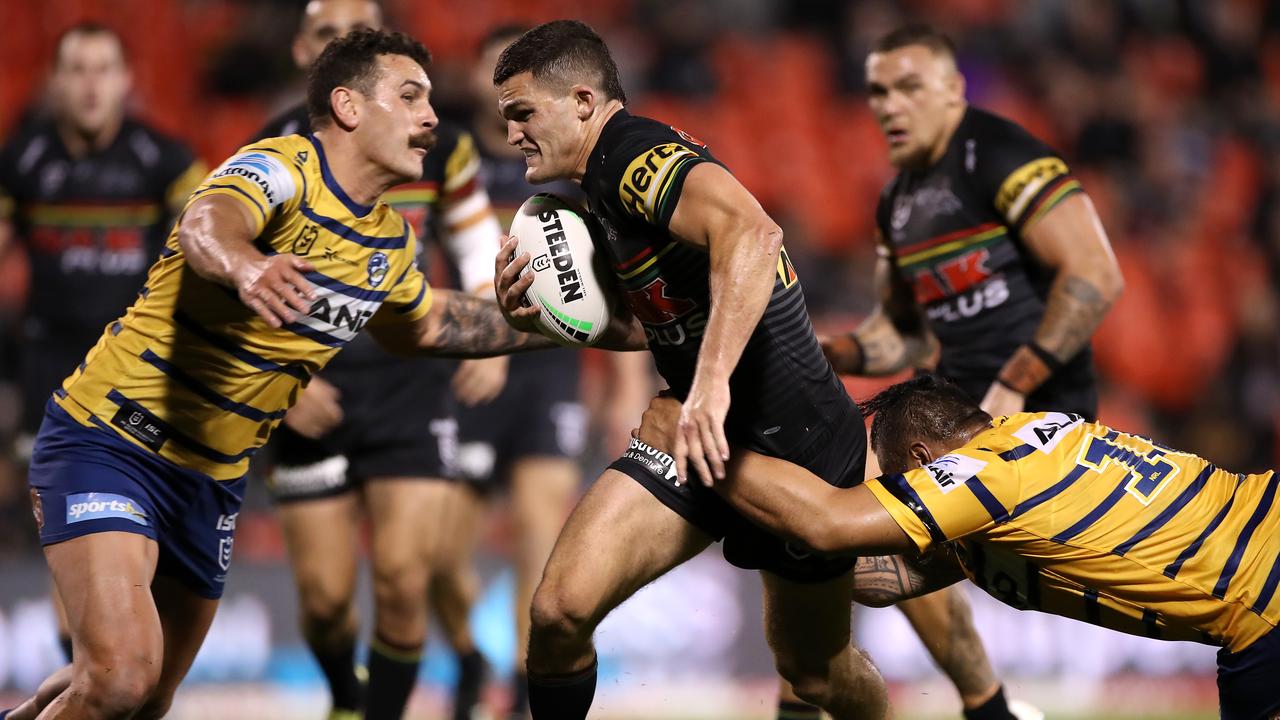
92	225
783	388
954	233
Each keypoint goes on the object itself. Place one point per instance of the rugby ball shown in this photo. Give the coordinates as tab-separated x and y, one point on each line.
575	308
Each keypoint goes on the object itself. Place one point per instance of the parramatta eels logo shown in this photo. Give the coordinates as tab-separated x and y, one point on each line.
378	266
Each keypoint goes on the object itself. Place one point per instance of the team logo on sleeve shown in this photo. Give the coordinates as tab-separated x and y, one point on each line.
951	471
268	173
647	180
378	266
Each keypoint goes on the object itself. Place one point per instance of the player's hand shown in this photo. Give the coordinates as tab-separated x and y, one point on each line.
274	288
842	352
511	287
317	411
478	381
1001	400
658	423
700	438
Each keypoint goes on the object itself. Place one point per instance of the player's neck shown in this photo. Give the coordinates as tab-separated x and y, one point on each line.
80	143
954	117
596	126
362	180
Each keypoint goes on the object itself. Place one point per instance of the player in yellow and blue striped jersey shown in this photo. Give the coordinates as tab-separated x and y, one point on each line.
1044	511
278	260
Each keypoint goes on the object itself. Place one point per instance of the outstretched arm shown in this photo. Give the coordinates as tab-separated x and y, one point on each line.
884	580
457	325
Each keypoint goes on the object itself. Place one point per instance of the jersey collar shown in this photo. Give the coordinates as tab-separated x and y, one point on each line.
597	157
330	182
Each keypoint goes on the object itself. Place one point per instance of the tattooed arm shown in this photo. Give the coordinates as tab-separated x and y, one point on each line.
457	325
883	580
893	338
1071	241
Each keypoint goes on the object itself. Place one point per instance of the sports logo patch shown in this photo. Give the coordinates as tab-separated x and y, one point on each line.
660	464
1045	433
268	173
951	471
378	266
645	184
97	506
224	552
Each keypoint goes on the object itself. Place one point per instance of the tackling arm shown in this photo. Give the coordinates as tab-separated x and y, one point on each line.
457	325
884	580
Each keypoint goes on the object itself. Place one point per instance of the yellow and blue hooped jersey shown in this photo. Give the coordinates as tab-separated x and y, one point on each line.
191	373
1073	518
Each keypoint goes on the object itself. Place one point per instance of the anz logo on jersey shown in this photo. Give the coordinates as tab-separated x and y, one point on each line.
337	316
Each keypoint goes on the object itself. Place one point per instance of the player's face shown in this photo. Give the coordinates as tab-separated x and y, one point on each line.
396	121
545	124
90	81
482	89
325	20
912	91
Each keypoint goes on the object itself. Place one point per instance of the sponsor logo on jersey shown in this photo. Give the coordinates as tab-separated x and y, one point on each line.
302	244
993	293
268	173
342	317
140	425
951	471
645	182
668	320
1046	432
660	464
378	266
99	505
1021	186
561	259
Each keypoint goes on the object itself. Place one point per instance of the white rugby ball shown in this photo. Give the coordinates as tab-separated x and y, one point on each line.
575	308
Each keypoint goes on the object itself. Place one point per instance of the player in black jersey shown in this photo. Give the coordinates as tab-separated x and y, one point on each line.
988	247
703	271
377	431
90	192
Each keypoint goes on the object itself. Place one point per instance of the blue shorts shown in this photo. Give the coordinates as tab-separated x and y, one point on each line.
88	480
1249	680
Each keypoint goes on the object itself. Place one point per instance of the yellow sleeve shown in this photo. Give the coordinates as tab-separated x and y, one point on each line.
961	493
262	179
410	298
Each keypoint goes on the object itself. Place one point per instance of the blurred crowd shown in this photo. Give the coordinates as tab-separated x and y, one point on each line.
1168	112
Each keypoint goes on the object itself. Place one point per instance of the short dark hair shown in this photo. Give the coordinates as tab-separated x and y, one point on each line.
562	50
928	406
352	61
916	34
88	27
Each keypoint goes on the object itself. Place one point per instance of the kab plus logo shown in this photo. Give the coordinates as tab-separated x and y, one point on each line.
97	506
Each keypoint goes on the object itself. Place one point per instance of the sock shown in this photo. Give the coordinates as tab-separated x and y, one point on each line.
471	676
519	695
792	710
339	668
994	709
64	642
563	697
392	674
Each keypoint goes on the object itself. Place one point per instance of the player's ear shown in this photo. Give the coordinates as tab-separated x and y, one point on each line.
956	85
920	454
345	105
584	99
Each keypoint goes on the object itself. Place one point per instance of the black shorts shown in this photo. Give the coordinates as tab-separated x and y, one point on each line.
834	451
398	421
536	415
1247	679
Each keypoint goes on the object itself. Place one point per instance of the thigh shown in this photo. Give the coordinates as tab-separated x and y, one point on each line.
618	539
543	489
104	582
414	520
807	623
323	542
185	618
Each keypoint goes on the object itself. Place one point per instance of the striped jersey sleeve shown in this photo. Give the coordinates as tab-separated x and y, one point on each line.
262	179
649	176
1024	177
965	491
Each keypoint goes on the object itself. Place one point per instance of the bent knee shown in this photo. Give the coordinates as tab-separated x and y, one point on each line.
118	687
557	613
325	604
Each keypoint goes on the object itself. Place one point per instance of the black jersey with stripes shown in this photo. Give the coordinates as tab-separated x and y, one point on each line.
92	224
783	389
953	232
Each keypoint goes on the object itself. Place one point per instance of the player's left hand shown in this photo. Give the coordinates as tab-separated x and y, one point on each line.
1001	400
479	380
700	435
